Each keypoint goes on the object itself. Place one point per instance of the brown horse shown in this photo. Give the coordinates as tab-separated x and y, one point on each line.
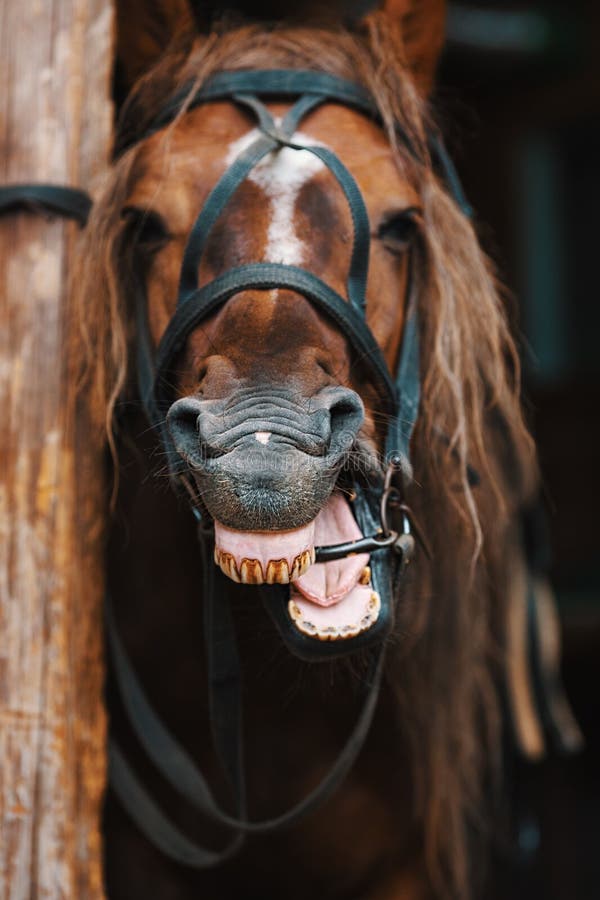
270	369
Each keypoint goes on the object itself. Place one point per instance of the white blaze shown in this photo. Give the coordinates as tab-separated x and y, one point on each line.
281	175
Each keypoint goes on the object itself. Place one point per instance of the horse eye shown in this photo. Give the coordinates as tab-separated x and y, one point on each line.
398	229
148	230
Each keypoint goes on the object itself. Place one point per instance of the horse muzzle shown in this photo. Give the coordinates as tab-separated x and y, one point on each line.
264	459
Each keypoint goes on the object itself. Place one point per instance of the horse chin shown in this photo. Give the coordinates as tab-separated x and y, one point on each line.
328	601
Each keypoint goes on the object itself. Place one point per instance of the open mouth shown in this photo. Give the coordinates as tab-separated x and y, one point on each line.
329	601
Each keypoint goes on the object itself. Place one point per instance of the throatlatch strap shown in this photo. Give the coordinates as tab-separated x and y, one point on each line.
68	202
449	174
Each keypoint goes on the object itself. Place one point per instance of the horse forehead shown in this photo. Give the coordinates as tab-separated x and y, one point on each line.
282	171
281	176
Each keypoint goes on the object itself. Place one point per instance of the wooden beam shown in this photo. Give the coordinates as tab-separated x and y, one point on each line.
56	121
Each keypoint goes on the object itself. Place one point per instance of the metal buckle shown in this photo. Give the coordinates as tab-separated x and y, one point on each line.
401	542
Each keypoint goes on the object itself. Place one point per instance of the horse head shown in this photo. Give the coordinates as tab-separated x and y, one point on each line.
271	401
273	395
272	404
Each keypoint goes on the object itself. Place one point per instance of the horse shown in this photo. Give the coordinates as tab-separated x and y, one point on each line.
275	422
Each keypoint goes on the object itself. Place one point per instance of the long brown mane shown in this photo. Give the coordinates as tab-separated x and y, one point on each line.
446	667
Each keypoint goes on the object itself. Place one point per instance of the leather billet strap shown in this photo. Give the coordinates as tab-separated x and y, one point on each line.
56	199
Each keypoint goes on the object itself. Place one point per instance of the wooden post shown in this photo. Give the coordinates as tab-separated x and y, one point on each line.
55	115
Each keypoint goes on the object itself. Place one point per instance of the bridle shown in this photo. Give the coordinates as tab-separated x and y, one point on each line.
372	505
400	392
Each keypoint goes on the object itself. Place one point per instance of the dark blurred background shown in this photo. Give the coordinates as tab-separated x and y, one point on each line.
519	101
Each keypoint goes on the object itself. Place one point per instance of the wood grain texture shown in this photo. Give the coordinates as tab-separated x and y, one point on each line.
55	115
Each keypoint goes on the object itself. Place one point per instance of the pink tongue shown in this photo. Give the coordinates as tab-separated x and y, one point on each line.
327	583
328	601
331	601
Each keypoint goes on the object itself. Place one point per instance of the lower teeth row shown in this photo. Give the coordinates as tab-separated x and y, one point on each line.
332	632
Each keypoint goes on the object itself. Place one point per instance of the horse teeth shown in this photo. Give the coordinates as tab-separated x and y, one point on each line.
296	616
301	563
295	570
375	602
365	576
278	572
332	632
251	572
226	563
233	571
294	610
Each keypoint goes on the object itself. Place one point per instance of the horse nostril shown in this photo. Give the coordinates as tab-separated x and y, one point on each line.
182	421
203	431
346	415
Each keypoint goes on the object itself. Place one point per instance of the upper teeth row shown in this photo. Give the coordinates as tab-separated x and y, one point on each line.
277	571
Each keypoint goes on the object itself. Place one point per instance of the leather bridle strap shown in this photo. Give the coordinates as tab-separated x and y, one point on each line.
281	83
177	767
408	382
70	203
193	304
263	276
400	394
273	137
